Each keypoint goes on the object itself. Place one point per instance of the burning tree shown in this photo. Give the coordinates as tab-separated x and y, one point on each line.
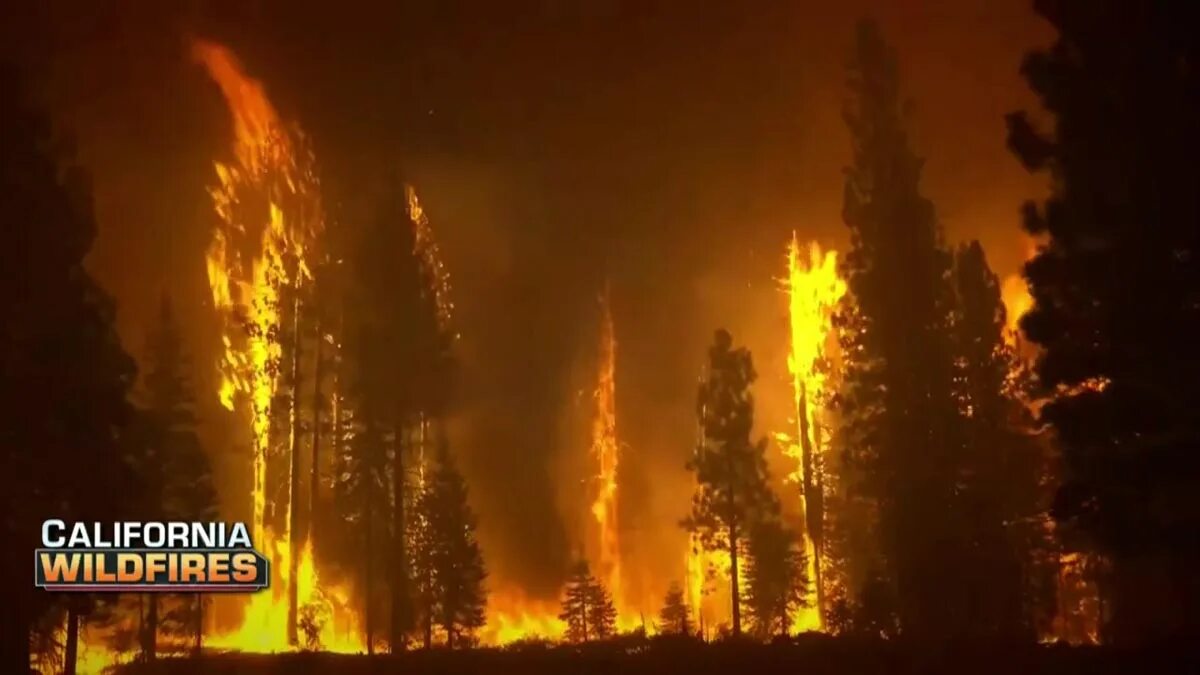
731	470
814	290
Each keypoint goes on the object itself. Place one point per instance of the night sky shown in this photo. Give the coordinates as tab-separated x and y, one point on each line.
669	147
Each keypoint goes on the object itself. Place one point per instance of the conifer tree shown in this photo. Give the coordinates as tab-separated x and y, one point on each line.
63	396
602	615
1004	467
175	468
897	402
675	617
731	470
456	573
587	608
1114	286
776	578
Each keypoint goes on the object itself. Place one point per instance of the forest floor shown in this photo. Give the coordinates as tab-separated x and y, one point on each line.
805	655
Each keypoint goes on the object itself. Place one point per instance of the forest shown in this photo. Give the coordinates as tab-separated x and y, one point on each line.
936	466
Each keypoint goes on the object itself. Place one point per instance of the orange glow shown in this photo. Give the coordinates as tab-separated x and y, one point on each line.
813	290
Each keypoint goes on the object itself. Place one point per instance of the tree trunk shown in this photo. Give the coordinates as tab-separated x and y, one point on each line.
369	596
400	594
812	495
734	583
150	633
71	652
314	473
294	487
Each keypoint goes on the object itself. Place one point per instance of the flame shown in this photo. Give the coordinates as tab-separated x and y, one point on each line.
513	618
426	248
813	290
1014	292
607	455
251	259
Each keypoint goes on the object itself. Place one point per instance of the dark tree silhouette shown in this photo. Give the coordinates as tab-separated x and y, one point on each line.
675	617
586	607
174	466
731	470
776	578
1115	285
1005	471
399	355
456	572
897	401
63	393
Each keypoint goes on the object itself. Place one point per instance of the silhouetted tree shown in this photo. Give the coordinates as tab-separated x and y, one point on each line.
586	607
399	353
897	400
63	393
602	615
174	466
1114	286
731	470
456	573
776	578
1004	472
676	616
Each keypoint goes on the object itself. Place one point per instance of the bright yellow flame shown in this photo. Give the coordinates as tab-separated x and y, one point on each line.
813	290
512	618
251	259
1014	292
606	453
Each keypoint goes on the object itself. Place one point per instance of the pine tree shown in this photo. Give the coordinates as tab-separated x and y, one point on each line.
676	616
1114	286
731	470
457	594
587	608
776	580
175	467
63	396
602	615
897	402
397	359
1002	488
576	602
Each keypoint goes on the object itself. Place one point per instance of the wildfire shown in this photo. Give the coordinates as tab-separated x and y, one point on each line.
813	290
606	452
270	217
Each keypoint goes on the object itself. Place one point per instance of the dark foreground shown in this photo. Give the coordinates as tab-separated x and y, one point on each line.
803	656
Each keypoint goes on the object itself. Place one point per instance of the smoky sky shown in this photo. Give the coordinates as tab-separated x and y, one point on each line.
669	148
